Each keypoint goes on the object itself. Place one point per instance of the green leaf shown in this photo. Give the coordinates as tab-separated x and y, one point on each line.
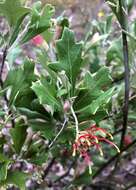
115	51
82	179
102	77
100	102
46	128
30	113
18	134
3	158
4	163
17	178
13	11
132	116
108	23
93	87
96	82
69	56
46	94
40	21
40	158
19	81
3	170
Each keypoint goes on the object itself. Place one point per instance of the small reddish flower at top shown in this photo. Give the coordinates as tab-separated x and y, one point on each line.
38	40
91	137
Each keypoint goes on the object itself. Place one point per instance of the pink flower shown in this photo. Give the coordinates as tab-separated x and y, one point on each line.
37	40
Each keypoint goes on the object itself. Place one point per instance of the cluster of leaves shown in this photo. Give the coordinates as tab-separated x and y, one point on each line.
66	83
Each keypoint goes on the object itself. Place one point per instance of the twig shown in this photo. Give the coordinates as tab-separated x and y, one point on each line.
127	76
54	140
129	35
130	186
102	184
119	79
112	159
46	171
66	173
2	64
126	66
1	82
132	97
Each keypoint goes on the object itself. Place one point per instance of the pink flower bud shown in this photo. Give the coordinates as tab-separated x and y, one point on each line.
66	106
37	40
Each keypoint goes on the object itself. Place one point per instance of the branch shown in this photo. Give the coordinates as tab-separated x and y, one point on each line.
2	65
46	171
1	83
66	173
126	66
130	186
113	158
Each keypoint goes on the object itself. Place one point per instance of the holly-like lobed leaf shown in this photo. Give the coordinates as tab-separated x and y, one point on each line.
93	87
18	134
4	163
69	56
16	178
47	94
19	81
40	21
46	128
13	11
98	103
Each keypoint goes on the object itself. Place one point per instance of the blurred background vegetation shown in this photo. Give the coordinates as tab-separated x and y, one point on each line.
79	12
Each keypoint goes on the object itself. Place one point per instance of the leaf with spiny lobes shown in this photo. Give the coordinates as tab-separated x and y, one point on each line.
102	77
98	103
19	80
40	21
13	11
93	87
69	57
47	94
4	164
16	178
18	134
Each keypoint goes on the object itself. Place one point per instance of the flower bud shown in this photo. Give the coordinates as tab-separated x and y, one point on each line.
37	40
66	106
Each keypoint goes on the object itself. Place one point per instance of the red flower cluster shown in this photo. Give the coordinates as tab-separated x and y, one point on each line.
91	137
